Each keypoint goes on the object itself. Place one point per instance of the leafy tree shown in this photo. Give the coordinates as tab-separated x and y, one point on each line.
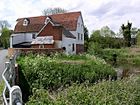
51	11
134	31
138	38
95	42
86	38
5	36
127	33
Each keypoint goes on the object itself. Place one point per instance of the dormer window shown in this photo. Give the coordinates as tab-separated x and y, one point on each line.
47	20
25	22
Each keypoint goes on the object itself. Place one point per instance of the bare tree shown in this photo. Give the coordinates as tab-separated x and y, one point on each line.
4	24
51	11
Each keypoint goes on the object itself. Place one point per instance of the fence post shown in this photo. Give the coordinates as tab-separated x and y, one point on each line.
12	94
15	96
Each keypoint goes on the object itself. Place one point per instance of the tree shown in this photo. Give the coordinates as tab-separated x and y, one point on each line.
51	11
4	38
106	31
4	24
86	38
103	38
127	33
94	46
138	38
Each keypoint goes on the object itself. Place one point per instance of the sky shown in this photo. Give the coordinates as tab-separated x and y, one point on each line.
95	13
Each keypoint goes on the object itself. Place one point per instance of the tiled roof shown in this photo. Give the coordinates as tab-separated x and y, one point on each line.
68	20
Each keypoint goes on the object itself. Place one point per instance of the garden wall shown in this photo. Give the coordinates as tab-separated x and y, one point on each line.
11	51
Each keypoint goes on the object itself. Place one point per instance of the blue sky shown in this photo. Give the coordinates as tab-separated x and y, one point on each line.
96	13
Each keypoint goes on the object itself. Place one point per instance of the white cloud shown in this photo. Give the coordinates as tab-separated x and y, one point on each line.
96	13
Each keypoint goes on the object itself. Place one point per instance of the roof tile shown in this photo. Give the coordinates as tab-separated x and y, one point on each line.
68	20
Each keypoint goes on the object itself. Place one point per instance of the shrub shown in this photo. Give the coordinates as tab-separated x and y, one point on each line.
120	92
53	73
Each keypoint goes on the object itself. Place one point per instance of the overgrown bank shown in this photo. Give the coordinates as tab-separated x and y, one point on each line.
61	71
120	92
75	80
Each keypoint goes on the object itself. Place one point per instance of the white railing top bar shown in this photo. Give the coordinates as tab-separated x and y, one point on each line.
9	75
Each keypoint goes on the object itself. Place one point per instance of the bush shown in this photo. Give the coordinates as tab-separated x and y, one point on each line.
120	92
53	73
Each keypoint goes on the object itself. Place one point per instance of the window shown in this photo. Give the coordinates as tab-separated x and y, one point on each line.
47	20
81	36
41	46
81	25
73	47
78	36
33	36
25	22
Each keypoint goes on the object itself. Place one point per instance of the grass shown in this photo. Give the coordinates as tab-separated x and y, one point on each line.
1	87
1	91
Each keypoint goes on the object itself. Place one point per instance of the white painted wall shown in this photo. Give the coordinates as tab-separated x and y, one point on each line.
67	43
80	29
58	44
20	38
17	38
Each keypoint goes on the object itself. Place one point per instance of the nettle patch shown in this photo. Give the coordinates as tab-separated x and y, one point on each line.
62	70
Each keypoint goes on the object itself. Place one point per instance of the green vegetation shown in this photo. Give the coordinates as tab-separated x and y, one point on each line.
5	38
86	79
126	30
124	92
1	87
53	72
1	90
126	57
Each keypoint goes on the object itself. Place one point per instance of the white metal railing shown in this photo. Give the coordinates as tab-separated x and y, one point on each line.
12	94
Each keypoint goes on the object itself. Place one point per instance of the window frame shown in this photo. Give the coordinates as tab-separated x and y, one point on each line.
41	46
78	36
33	36
73	47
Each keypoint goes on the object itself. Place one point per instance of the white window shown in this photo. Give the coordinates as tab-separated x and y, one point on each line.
47	19
81	25
81	36
41	46
25	22
78	36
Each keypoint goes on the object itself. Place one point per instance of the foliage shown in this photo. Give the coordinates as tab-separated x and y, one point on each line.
1	87
127	33
101	39
1	90
54	73
51	11
5	37
86	38
120	92
138	38
126	57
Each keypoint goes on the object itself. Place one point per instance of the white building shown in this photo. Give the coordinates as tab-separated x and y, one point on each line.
64	30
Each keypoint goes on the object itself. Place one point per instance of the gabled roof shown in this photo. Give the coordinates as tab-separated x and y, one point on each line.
67	20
